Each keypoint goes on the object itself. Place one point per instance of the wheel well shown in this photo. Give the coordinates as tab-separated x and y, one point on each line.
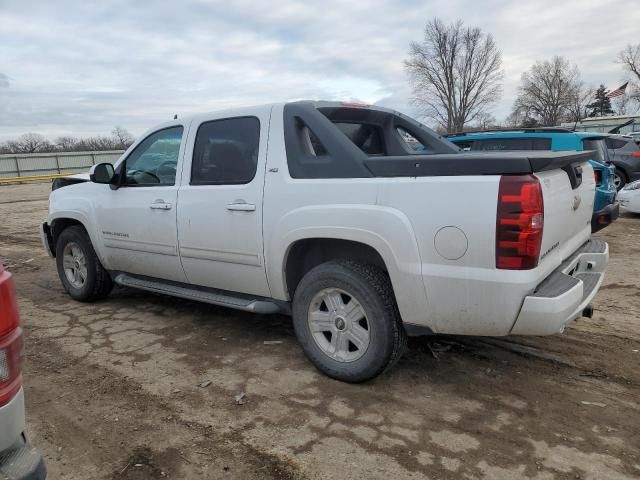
61	224
309	253
623	170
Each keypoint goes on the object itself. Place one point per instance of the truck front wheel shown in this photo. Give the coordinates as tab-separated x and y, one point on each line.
80	271
347	321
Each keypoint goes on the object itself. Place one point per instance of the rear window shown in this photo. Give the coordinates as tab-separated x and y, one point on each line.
599	147
497	144
410	141
367	138
615	143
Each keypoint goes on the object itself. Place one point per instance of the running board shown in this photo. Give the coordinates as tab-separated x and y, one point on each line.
225	299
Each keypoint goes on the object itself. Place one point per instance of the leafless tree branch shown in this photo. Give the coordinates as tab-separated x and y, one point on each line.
455	72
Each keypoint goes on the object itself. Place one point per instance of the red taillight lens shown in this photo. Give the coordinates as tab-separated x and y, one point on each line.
11	358
636	154
598	176
11	347
519	222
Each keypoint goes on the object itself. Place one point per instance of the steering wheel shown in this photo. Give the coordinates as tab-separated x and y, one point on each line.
143	172
167	168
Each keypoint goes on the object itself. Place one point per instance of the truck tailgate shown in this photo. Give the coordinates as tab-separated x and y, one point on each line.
567	210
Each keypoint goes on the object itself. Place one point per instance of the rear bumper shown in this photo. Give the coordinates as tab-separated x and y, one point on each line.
22	462
630	200
18	460
563	295
604	217
11	421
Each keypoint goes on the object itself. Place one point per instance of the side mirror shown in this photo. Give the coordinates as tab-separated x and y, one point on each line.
101	173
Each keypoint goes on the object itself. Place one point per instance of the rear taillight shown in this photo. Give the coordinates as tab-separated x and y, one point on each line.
11	347
636	154
598	176
519	222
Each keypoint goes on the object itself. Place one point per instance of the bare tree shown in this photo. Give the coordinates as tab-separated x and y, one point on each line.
455	72
578	107
630	59
123	139
625	105
485	121
548	92
66	144
29	143
120	139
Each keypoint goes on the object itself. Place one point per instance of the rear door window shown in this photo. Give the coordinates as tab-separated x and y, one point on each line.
599	147
226	152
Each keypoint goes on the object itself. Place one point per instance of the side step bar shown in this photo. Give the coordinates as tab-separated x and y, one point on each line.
214	297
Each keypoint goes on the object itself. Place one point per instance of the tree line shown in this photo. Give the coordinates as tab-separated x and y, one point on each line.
120	139
456	75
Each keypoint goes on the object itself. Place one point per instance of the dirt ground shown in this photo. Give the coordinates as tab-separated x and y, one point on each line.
144	386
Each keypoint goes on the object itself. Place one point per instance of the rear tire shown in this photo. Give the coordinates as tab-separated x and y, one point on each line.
620	179
80	271
347	321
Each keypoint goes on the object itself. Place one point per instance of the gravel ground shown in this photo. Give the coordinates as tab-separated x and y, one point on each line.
144	386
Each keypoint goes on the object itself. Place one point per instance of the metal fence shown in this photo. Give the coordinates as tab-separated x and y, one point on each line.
33	164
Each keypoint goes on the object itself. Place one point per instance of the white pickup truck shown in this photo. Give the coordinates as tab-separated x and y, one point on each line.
362	223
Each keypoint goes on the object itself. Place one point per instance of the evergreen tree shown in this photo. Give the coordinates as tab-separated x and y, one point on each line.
601	105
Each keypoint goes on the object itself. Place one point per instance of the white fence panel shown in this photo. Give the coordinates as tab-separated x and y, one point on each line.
30	164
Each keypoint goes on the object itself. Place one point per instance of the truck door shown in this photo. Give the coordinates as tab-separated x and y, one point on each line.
220	202
137	222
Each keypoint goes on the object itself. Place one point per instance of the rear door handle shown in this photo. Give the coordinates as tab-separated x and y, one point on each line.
241	207
160	205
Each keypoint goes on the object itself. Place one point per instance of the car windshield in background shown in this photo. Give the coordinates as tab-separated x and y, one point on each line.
599	147
498	144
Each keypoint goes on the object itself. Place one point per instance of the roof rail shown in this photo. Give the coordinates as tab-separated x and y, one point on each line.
527	130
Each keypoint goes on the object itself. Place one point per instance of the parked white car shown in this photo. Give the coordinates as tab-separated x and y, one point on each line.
629	197
324	211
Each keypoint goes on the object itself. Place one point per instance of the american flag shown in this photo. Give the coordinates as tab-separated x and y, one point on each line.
617	92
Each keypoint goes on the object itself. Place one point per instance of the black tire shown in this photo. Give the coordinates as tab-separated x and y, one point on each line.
623	178
97	284
371	288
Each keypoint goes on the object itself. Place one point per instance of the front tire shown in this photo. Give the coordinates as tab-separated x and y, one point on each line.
347	321
80	271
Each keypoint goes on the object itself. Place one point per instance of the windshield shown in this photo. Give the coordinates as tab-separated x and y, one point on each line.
599	147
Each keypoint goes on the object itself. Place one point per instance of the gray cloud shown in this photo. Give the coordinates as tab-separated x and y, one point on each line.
81	69
4	81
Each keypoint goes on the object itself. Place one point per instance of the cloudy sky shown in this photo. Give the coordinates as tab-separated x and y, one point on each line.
82	67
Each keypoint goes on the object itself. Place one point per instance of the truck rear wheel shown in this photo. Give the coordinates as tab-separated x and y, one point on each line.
347	321
80	271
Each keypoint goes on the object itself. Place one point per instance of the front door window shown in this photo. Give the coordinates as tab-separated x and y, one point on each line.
154	161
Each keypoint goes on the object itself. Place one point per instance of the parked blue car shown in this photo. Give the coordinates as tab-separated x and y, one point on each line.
605	207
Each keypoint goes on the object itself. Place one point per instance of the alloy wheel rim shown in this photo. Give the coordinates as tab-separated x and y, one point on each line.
74	264
617	180
339	325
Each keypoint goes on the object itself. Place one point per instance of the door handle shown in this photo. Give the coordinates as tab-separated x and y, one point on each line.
160	205
241	207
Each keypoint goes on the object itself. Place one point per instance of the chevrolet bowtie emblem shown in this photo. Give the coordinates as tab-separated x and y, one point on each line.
576	202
